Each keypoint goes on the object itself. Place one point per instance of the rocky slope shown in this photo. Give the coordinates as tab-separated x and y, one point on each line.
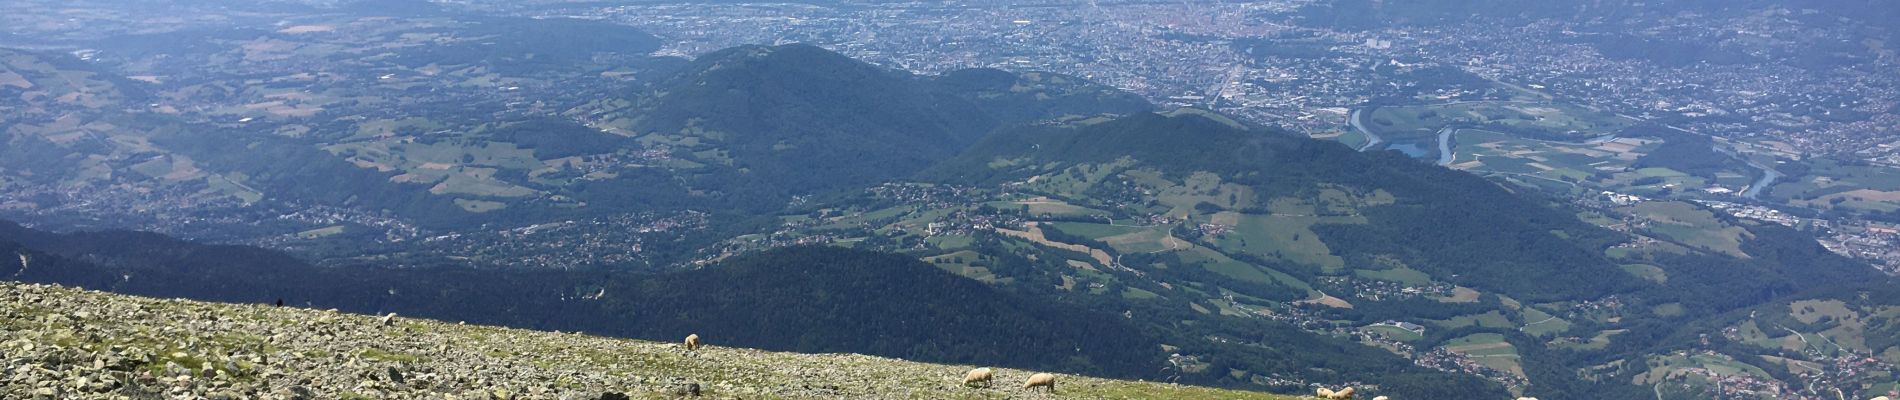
72	343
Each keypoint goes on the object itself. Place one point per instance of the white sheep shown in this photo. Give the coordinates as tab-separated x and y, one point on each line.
1527	398
1381	398
1881	398
389	320
692	342
1041	380
1329	394
979	375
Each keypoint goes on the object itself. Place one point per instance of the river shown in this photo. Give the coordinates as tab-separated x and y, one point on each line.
1445	156
1372	139
1768	172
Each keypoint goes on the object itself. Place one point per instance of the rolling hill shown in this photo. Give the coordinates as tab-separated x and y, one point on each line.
1201	227
762	123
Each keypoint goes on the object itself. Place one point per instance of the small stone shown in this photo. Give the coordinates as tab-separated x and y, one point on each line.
686	389
299	393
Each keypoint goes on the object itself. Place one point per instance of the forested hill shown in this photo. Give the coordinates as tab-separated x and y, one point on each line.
1510	244
1184	210
807	299
761	123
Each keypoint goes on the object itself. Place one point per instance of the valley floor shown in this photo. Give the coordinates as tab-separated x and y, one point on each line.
71	343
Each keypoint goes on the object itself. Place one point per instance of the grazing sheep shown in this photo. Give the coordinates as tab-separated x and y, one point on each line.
1527	398
979	375
1041	380
692	342
1881	398
389	320
1329	394
1381	398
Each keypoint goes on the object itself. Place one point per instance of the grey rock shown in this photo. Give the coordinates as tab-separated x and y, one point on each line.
686	389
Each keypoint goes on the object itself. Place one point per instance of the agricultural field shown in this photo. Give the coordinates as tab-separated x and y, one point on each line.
1489	349
1046	207
1691	226
1490	319
1598	342
1647	272
967	263
321	232
1125	238
1832	184
1072	182
1823	325
1198	188
1414	130
1393	332
1664	368
1542	324
1286	237
1484	150
46	84
1218	263
1403	275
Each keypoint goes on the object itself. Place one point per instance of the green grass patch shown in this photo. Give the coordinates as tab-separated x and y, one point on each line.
1541	324
1401	275
320	232
1394	333
1094	231
1647	272
1691	226
1660	173
1284	237
1492	319
1138	294
1488	349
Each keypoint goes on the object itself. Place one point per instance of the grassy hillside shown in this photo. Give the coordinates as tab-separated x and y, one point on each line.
72	343
1211	229
1316	206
